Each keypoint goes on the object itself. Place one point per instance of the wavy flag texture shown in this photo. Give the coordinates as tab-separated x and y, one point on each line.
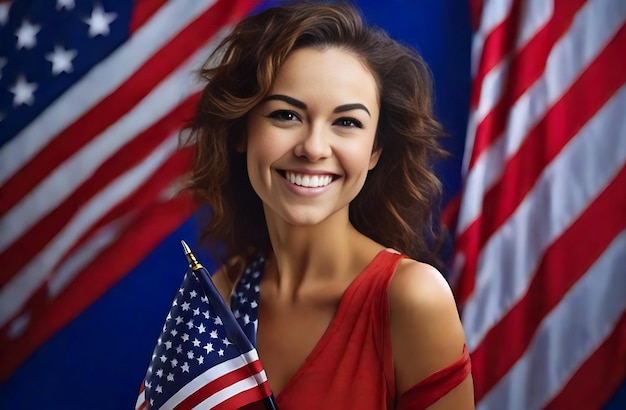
93	95
541	233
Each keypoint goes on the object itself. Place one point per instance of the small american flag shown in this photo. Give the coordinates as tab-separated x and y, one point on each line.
194	363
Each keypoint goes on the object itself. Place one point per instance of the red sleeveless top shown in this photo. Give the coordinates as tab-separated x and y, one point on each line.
351	367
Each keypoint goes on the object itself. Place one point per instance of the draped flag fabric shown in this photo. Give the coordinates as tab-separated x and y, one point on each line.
93	96
541	233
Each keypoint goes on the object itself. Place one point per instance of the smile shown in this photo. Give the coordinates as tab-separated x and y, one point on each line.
308	181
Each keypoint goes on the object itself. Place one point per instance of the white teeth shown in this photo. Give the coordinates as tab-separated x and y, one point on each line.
307	181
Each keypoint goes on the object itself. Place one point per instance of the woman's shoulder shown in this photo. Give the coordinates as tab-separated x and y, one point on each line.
418	284
426	329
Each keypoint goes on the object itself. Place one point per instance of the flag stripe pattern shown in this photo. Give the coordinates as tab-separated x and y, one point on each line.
90	162
540	233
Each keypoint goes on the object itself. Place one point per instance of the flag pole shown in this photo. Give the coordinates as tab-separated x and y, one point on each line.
234	330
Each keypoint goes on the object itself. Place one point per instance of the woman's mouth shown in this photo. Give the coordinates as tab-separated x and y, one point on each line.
307	180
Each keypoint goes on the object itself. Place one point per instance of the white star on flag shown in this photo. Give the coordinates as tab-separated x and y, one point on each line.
23	91
27	35
99	21
61	60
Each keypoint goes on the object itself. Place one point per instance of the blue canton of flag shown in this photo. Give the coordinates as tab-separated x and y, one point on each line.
46	46
194	363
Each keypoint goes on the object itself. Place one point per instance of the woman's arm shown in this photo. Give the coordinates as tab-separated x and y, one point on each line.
426	332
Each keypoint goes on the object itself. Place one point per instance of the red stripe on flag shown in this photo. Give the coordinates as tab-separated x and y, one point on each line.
569	256
32	241
525	68
542	145
597	380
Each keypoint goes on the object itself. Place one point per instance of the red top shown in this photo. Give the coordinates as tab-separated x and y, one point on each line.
351	367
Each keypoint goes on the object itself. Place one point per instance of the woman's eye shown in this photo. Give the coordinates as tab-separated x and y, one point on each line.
349	122
284	115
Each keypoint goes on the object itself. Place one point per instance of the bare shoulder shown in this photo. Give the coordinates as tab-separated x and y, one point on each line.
426	329
420	290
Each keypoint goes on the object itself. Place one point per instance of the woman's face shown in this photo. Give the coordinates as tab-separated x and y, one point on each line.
310	141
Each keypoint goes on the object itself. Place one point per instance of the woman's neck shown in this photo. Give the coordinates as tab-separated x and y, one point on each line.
305	256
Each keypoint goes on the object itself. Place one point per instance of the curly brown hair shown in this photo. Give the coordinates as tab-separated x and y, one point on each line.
399	202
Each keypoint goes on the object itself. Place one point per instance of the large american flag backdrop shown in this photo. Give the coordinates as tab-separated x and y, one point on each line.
540	251
93	95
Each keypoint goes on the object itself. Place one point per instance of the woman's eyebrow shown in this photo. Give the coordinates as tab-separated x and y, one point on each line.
287	99
348	107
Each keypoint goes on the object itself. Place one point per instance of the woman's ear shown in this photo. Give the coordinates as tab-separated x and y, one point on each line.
374	158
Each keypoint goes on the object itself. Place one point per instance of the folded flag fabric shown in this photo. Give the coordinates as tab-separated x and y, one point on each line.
195	363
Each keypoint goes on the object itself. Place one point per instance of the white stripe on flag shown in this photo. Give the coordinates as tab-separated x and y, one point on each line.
535	15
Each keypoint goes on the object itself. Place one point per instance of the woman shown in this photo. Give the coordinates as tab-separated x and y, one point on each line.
315	137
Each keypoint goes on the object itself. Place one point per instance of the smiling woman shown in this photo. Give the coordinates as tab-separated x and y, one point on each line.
314	126
314	144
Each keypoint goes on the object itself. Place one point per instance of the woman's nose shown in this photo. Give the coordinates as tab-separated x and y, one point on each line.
315	144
